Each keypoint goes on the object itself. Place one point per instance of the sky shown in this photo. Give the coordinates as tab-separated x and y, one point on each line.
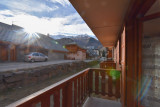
54	17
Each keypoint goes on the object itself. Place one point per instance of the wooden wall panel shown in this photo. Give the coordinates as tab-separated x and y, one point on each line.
110	53
0	53
4	53
13	53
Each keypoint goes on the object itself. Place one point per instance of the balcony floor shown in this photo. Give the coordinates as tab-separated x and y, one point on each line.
98	102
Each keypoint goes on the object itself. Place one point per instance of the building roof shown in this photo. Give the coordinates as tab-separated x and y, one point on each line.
17	35
74	43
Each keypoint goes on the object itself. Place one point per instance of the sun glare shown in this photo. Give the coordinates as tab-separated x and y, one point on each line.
30	31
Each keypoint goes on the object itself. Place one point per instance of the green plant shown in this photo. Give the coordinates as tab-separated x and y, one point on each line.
115	73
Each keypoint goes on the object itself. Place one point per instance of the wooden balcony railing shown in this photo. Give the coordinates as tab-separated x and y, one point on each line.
108	65
104	83
72	91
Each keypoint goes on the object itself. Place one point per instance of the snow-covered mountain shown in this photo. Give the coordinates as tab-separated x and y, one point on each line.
66	36
84	41
58	36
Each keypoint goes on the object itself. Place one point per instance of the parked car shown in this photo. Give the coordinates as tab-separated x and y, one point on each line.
35	56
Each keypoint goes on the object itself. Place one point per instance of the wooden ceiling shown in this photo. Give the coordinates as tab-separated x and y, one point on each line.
104	17
154	9
152	27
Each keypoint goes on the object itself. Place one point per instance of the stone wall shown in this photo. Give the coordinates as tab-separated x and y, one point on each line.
150	94
55	55
20	78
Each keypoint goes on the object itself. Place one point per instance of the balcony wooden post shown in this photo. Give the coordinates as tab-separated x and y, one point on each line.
82	88
85	85
117	88
87	80
79	98
110	86
64	97
75	93
90	82
46	101
97	82
56	99
103	82
69	95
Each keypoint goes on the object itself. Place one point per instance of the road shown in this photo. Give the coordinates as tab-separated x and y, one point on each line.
11	66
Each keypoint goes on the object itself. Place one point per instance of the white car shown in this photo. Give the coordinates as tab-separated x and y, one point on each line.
35	56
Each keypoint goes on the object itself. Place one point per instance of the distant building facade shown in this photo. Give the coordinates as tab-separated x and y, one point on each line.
103	52
75	52
15	43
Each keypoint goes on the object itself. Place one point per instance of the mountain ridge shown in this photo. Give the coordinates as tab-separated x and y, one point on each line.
67	36
83	41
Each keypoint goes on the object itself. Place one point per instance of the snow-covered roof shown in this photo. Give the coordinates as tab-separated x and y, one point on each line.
17	35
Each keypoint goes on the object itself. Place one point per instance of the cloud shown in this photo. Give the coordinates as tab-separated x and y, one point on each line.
72	24
62	2
27	5
44	16
6	12
75	18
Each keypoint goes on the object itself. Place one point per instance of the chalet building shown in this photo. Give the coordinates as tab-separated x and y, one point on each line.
131	31
75	52
15	42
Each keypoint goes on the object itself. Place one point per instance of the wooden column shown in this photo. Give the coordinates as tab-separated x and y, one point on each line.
110	54
12	53
4	53
130	64
123	64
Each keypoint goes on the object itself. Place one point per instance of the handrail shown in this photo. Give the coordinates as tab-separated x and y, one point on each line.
72	91
108	65
26	102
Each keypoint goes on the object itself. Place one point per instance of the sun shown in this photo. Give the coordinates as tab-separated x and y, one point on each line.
31	33
29	30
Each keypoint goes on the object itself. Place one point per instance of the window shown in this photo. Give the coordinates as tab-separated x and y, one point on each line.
35	54
41	54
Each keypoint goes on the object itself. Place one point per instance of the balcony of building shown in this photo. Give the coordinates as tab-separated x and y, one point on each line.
123	26
96	87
